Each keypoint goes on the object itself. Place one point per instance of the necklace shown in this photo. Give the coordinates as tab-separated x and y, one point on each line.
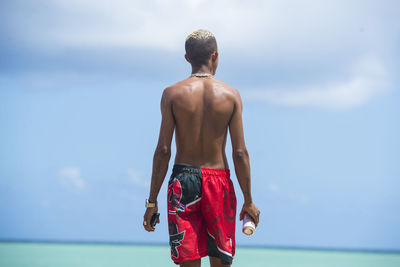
201	75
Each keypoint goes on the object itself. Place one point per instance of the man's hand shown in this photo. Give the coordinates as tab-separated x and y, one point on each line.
252	210
147	218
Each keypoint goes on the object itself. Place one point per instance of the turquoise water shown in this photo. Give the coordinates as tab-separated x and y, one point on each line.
93	255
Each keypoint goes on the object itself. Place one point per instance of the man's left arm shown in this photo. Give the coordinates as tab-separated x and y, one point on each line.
161	157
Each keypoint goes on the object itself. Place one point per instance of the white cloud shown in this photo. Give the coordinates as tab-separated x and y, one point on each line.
137	178
368	79
276	26
70	177
283	32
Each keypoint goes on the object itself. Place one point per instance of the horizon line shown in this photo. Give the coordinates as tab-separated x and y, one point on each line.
141	243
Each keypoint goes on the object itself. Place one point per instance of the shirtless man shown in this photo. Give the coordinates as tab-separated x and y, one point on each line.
201	198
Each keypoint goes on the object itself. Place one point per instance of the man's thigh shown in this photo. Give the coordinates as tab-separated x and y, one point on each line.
193	263
216	262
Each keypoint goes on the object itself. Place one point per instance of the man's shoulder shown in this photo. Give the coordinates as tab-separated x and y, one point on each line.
233	92
176	87
230	88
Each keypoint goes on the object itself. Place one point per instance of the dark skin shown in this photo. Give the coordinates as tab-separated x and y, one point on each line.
201	111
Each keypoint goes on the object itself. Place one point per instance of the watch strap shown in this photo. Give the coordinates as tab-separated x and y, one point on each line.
150	204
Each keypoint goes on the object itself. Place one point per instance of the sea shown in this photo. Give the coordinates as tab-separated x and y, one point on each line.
48	254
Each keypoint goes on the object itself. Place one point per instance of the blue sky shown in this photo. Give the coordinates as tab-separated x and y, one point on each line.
80	86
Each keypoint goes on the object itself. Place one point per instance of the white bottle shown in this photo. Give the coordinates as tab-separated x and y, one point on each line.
249	226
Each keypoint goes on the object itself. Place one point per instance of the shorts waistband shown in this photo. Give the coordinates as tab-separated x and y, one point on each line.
219	172
186	168
199	170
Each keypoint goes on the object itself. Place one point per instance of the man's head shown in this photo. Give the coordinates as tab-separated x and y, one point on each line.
201	48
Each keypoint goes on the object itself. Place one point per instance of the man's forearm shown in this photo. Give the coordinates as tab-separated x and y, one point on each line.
160	168
242	168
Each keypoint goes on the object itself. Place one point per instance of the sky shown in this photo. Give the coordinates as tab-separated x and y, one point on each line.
80	89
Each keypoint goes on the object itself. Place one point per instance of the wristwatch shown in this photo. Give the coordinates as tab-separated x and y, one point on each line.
150	205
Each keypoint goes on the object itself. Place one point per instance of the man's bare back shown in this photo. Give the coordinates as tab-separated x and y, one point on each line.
202	108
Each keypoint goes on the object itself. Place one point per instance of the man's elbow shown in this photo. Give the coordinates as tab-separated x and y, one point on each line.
163	152
240	154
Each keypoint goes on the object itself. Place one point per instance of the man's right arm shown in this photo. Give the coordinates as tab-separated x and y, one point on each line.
241	160
162	155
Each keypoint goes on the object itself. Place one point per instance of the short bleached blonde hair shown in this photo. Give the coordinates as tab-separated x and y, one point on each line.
200	34
199	46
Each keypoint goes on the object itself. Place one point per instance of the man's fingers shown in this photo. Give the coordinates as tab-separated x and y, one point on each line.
146	223
257	217
241	214
252	211
147	219
256	220
148	227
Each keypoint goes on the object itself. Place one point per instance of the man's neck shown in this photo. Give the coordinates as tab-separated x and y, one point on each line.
203	69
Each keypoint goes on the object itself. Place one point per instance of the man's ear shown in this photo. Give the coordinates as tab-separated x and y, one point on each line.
187	58
214	56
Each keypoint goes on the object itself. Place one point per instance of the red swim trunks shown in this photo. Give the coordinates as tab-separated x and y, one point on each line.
201	214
